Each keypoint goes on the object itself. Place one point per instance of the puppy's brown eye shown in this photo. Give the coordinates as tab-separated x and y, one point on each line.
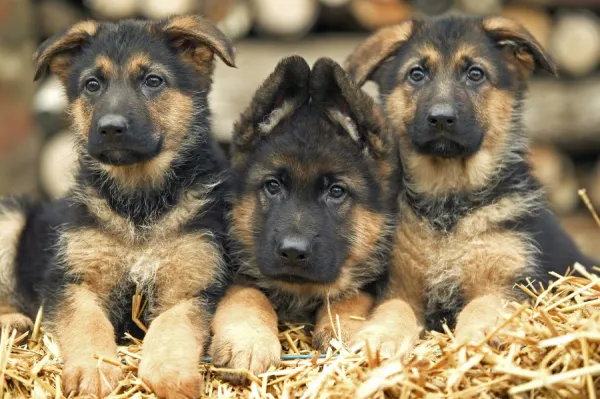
475	74
416	74
273	187
336	192
153	81
92	85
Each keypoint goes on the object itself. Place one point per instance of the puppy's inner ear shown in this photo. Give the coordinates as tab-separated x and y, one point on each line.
59	51
279	96
519	44
347	123
197	40
348	107
368	57
279	110
338	110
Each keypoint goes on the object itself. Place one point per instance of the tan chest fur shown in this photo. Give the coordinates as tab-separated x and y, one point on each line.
166	263
478	257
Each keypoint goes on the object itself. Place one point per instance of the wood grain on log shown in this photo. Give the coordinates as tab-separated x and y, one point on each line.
556	172
564	113
575	42
290	19
374	14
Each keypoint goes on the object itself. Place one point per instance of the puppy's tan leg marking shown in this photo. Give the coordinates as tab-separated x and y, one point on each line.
494	262
393	326
482	315
82	330
172	349
245	333
359	305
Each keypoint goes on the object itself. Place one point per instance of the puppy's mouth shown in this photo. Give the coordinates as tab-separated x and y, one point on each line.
123	157
124	154
443	147
294	279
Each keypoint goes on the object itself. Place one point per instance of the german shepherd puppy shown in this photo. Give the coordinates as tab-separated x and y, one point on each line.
311	212
148	207
473	221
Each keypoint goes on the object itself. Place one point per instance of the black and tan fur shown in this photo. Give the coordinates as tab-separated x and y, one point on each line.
147	209
472	219
311	170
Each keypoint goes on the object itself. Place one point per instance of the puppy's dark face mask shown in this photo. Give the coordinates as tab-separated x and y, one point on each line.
451	86
310	205
135	87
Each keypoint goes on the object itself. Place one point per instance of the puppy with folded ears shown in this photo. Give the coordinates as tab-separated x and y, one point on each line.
147	211
472	219
312	208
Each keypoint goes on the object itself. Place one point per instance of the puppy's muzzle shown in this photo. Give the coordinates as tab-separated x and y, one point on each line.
114	142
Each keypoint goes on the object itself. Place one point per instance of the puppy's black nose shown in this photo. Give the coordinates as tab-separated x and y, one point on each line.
112	125
442	116
294	250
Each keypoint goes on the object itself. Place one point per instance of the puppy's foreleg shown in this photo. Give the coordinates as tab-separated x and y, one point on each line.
172	349
351	312
392	328
245	334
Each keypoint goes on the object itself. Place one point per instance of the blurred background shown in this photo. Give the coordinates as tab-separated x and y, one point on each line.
562	116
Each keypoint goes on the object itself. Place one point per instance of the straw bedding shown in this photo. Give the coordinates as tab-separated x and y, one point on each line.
550	348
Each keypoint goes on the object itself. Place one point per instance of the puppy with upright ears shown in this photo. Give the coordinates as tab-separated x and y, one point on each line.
312	204
473	221
147	210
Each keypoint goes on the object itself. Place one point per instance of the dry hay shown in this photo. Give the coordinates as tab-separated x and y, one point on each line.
551	349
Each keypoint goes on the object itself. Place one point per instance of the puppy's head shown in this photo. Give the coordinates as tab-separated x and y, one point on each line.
452	86
309	202
136	89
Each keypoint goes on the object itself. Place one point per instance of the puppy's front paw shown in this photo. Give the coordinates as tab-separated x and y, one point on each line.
478	319
172	373
17	321
475	333
171	356
323	335
87	378
254	350
387	342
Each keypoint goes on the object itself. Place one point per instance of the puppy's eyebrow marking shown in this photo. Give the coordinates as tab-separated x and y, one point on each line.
431	54
106	66
464	51
136	64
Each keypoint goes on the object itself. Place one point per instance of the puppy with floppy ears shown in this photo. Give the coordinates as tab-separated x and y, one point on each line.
311	213
147	210
473	221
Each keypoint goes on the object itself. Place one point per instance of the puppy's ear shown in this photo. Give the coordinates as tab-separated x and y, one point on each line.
519	44
197	40
366	58
347	105
59	51
280	95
